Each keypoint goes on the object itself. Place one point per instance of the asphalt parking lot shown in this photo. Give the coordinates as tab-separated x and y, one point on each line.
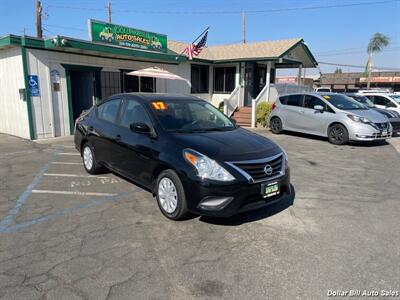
67	235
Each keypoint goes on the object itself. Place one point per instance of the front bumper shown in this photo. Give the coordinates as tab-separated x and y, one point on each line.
239	196
366	132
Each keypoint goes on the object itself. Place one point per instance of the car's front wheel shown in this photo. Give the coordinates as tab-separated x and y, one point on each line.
90	162
338	135
170	195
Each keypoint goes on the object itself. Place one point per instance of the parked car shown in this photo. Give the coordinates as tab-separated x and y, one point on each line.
385	100
331	115
322	89
185	151
392	115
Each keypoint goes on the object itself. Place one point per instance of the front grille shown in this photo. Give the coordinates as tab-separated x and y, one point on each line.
382	126
255	170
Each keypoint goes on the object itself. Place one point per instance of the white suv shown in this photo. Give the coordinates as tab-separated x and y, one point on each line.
386	101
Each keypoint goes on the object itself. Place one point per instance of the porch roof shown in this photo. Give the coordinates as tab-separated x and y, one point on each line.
290	52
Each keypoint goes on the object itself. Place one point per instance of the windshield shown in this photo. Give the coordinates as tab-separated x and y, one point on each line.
343	102
363	99
190	116
395	98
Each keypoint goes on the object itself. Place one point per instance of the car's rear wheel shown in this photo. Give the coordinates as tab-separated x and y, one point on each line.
90	162
170	195
338	134
276	125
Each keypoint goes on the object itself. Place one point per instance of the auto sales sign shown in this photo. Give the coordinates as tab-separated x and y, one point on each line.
127	37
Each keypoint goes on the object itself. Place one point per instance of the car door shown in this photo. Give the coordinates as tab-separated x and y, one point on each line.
315	121
292	111
105	130
136	152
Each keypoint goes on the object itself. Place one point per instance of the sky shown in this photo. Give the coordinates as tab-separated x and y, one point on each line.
336	31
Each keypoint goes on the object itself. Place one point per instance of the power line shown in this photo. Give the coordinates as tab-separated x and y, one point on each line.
356	66
226	12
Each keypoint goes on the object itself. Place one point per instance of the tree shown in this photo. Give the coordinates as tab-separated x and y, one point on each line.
376	44
338	71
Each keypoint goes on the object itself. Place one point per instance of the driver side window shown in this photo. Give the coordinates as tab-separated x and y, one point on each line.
311	101
134	112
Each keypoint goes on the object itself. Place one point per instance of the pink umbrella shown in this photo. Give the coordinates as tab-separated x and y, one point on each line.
158	73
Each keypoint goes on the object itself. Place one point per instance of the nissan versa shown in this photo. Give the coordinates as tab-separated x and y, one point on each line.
336	116
185	151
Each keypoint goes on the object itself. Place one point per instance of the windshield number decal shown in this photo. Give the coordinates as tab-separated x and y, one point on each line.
159	105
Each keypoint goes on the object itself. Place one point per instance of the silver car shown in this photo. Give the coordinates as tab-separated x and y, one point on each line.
331	115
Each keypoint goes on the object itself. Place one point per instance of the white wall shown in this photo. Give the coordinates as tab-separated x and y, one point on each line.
42	62
50	110
13	110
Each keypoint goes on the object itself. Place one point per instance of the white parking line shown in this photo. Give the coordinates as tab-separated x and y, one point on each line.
72	193
65	163
75	175
68	153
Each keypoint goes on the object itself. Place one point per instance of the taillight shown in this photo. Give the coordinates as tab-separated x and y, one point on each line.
273	106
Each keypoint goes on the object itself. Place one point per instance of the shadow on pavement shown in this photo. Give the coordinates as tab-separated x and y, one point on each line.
254	215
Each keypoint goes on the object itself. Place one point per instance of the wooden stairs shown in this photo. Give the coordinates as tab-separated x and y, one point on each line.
242	116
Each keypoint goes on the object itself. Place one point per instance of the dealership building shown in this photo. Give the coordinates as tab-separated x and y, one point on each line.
46	83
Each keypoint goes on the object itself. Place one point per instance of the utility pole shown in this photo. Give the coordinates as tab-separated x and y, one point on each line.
109	11
244	27
38	12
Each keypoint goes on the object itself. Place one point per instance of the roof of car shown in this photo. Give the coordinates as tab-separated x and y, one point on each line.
158	96
310	93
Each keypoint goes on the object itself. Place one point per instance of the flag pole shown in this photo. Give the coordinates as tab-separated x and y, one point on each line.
200	35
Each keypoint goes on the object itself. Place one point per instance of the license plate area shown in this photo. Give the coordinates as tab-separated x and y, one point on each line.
270	189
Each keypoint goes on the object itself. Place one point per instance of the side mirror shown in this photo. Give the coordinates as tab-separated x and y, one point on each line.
141	128
320	108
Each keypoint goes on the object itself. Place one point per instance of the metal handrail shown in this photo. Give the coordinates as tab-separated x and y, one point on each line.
232	102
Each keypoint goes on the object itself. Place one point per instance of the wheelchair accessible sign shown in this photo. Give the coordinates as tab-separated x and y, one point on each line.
33	83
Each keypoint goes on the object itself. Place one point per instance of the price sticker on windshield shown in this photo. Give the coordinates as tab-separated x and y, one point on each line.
327	97
159	105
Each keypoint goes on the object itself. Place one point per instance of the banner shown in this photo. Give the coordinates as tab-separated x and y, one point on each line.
127	37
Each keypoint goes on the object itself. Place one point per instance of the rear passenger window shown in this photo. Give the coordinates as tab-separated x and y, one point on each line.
108	111
294	100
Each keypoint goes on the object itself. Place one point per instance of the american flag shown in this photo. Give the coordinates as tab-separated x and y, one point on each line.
193	49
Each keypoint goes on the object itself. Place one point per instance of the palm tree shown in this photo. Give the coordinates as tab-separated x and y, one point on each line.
377	42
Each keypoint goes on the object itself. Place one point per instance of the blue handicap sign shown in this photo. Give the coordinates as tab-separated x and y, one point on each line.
33	84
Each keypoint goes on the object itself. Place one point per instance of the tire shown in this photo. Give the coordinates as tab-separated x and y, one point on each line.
275	125
169	185
338	134
88	154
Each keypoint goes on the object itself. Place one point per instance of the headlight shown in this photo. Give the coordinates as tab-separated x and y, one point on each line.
206	167
356	118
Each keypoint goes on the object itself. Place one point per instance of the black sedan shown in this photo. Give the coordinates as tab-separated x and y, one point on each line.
393	116
185	151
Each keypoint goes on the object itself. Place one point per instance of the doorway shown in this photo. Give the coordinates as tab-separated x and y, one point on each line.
82	91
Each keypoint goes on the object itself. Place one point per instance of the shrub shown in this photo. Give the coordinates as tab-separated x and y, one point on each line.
263	111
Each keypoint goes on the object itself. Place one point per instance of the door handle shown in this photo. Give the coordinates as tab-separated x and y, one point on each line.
117	137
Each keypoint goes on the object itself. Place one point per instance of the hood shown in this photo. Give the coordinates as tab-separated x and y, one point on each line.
233	145
388	113
370	114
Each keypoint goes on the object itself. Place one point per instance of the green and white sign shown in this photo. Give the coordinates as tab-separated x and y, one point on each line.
127	37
